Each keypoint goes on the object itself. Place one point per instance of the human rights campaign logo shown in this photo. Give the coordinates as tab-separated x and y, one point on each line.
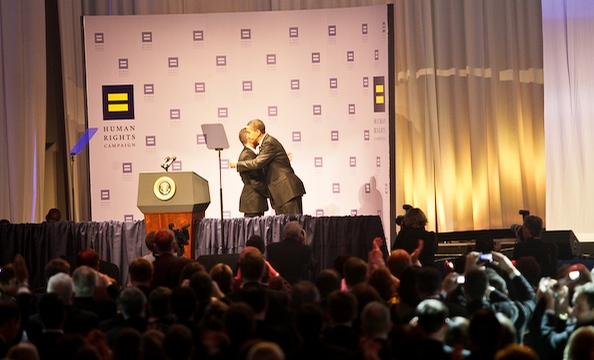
118	102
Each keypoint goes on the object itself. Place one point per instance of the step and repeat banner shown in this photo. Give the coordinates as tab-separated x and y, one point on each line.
318	79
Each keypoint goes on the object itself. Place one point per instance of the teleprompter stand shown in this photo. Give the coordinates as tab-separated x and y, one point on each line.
216	139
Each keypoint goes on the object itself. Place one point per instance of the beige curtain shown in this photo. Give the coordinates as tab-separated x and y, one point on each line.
469	124
22	109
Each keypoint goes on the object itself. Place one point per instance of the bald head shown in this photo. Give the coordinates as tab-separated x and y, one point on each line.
293	230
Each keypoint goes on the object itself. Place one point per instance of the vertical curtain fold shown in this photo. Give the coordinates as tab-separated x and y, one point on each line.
328	236
23	110
120	243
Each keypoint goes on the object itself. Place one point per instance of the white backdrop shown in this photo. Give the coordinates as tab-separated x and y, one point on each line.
309	75
568	28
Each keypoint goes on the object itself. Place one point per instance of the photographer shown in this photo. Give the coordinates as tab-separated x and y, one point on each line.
545	253
412	232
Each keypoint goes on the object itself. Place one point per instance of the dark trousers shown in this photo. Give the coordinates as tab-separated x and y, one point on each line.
253	214
293	206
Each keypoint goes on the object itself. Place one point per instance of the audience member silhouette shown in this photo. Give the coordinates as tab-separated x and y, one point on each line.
149	241
108	274
256	241
414	231
291	257
132	314
168	266
78	321
159	307
355	271
376	325
52	316
342	311
141	272
53	215
84	279
431	325
545	253
484	333
9	325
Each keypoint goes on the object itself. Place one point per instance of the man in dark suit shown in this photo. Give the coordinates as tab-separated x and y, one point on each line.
76	321
85	279
252	201
52	315
9	325
292	257
284	187
167	266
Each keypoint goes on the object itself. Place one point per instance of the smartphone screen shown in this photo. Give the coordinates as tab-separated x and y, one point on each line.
486	257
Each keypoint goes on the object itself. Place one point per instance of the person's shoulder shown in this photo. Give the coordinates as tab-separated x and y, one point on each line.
246	152
184	260
163	258
274	248
269	138
82	316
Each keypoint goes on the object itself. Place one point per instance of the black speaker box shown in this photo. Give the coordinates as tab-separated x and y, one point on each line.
567	244
208	261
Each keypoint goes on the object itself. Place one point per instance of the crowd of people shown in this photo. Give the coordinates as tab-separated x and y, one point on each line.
276	304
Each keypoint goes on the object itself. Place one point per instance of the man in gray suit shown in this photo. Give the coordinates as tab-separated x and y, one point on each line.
284	187
252	201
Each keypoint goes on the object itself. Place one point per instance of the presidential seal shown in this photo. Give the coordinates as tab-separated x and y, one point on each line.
164	188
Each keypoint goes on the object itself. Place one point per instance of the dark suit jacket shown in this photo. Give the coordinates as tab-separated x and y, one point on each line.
253	195
283	184
292	259
77	322
545	254
105	308
4	347
168	268
46	344
343	336
278	312
408	239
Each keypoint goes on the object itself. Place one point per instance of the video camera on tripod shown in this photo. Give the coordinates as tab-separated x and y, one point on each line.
182	237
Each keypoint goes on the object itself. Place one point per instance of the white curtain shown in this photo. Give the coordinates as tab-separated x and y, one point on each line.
568	31
22	109
469	104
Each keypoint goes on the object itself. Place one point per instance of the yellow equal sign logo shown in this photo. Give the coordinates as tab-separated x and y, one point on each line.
379	94
118	102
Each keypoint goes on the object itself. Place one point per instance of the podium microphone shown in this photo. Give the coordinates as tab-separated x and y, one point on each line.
164	164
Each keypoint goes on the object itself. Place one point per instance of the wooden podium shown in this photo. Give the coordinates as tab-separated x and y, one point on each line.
178	198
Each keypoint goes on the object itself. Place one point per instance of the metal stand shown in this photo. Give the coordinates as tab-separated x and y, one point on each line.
216	139
224	249
78	147
72	200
